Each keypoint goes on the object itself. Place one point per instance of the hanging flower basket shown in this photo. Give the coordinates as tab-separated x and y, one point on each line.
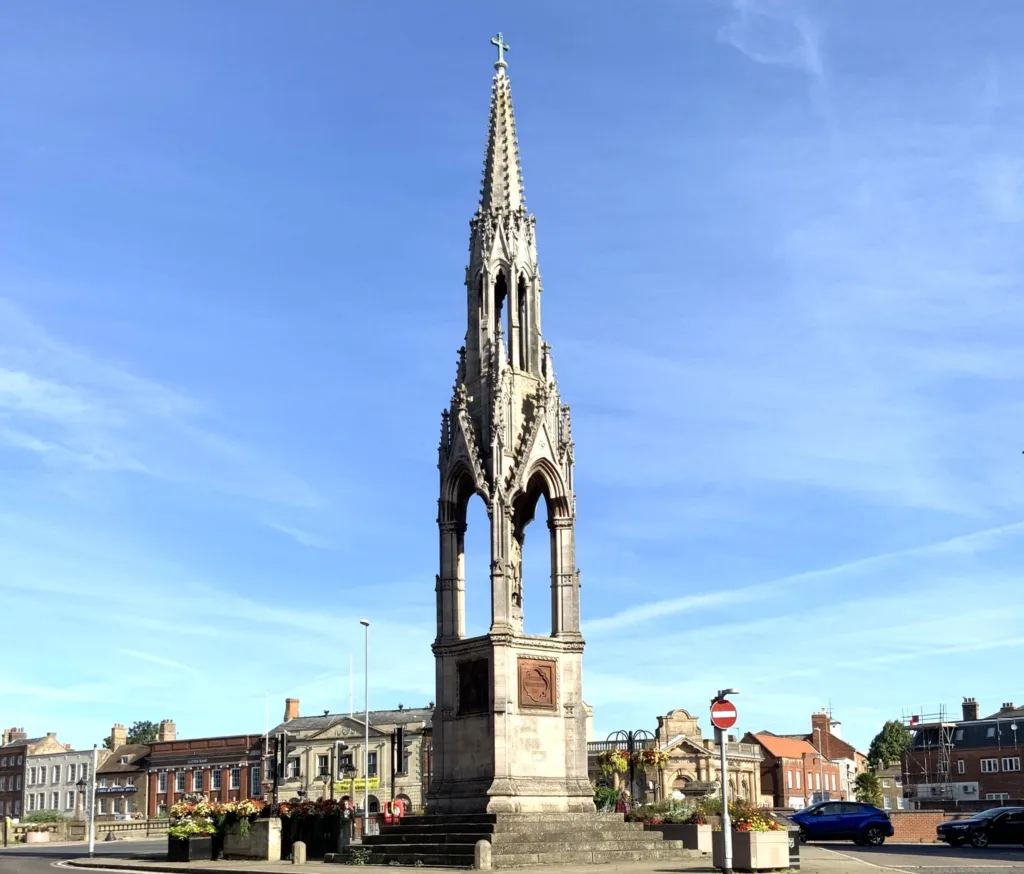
650	759
613	760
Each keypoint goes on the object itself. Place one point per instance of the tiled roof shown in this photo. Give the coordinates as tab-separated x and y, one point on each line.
405	716
784	747
838	747
134	752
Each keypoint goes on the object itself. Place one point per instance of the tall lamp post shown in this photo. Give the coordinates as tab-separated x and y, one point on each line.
92	801
631	739
366	725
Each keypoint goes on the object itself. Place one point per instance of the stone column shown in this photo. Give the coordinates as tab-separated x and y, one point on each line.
450	585
565	596
501	589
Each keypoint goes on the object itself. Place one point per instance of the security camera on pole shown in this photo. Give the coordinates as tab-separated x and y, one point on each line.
723	717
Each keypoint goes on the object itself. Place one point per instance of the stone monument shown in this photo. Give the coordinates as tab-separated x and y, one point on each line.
509	724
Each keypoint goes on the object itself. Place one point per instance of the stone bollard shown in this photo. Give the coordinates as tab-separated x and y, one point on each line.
482	856
299	853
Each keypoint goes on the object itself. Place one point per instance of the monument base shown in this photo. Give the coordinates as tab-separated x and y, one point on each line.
536	795
519	839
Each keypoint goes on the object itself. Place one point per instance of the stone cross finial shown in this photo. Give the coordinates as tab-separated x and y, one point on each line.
499	41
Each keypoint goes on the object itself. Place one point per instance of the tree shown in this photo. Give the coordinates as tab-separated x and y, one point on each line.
141	732
868	788
889	745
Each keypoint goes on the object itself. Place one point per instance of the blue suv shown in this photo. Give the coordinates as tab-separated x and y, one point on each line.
844	821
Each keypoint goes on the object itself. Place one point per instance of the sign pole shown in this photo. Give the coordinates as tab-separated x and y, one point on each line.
92	801
726	825
723	717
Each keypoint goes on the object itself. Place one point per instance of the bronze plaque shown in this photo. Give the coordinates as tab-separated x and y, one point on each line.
537	683
474	687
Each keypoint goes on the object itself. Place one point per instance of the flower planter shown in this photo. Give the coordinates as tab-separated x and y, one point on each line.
694	837
37	837
262	843
195	849
753	851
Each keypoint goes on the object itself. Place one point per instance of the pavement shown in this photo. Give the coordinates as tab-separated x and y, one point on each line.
146	856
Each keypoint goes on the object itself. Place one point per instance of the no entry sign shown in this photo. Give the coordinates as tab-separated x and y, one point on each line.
723	714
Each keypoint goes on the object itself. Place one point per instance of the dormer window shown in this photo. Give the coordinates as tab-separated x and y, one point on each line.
124	760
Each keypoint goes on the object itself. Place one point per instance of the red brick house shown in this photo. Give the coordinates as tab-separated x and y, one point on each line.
971	761
793	773
222	768
13	752
824	735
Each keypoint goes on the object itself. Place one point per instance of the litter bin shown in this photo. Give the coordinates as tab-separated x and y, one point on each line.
794	848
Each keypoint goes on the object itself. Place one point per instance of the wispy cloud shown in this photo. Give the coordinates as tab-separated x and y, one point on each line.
303	537
157	660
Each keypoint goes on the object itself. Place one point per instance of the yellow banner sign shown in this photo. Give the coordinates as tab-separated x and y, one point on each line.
356	784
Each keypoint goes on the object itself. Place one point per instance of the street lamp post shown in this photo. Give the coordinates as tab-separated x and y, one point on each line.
366	739
723	738
92	801
630	738
821	765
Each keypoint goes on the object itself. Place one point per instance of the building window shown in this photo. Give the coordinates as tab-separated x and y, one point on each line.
991	731
71	773
197	781
55	801
960	766
899	803
129	781
179	781
997	796
255	782
124	760
56	773
3	783
17	807
885	784
371	765
833	782
374	803
235	777
3	762
31	802
103	782
85	772
69	802
789	778
17	783
989	766
293	768
42	773
103	806
798	779
321	766
41	803
215	776
887	802
31	776
1011	763
116	806
161	782
161	809
958	735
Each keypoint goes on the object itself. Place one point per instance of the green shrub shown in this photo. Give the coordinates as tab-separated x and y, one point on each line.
45	816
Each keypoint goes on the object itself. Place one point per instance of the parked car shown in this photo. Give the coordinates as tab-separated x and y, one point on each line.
844	821
1000	825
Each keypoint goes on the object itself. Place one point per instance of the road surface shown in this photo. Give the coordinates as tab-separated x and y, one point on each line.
40	858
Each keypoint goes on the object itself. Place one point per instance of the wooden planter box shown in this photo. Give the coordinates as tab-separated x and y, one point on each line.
754	851
263	843
694	837
37	837
197	849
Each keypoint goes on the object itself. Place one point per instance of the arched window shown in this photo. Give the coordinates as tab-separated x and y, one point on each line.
521	315
374	804
500	293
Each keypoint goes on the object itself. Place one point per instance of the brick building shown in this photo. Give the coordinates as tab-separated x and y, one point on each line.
13	752
222	768
122	781
972	759
793	773
825	735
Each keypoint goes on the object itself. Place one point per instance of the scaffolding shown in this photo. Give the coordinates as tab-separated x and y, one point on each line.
929	758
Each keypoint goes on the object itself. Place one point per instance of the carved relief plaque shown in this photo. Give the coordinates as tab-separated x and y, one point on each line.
474	687
537	684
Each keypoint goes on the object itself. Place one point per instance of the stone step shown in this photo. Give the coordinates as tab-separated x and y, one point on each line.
562	835
583	857
581	846
511	817
420	837
535	833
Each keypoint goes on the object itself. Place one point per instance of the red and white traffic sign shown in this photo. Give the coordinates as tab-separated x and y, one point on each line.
723	714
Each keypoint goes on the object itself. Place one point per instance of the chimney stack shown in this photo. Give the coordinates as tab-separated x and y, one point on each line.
1007	707
291	709
168	731
118	736
820	734
970	710
6	736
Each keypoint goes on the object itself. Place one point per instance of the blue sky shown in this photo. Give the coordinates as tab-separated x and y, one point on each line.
781	253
